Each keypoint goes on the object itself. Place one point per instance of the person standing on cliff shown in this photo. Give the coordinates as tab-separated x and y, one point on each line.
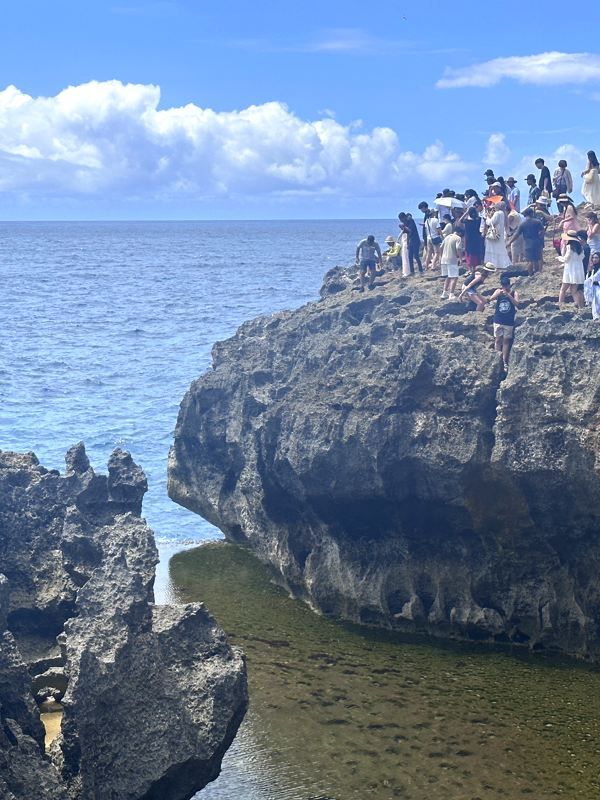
507	303
545	182
409	226
368	255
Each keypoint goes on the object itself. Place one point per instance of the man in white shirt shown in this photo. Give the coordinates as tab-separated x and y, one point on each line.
451	255
514	195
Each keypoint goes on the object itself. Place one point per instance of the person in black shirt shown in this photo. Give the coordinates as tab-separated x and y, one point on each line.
534	192
506	303
545	181
414	242
532	231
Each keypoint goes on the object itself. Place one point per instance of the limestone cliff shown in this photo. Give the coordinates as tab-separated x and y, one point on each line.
152	695
370	448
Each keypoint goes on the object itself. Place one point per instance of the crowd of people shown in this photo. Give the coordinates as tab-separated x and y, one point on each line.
474	235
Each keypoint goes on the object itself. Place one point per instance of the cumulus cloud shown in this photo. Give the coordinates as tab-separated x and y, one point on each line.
113	138
548	69
497	151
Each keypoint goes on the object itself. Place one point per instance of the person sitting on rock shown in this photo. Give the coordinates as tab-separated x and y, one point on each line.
507	303
471	288
368	255
393	255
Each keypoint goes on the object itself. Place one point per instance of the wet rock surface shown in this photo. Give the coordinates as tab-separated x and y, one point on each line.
370	447
152	696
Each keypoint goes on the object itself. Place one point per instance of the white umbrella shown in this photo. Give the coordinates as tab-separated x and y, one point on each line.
448	202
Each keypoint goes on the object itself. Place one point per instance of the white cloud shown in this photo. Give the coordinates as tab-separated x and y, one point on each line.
548	69
111	139
497	151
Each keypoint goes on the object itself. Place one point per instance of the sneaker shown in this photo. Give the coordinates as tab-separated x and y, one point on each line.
505	366
443	295
452	296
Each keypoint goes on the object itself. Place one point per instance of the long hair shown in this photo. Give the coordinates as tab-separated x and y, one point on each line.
592	159
576	246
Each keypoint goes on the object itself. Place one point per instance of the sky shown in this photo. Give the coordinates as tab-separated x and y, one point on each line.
186	109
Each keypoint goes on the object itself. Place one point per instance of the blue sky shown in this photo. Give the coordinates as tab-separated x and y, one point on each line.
262	110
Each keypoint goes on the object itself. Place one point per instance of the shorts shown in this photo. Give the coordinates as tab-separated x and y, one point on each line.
444	270
503	330
366	263
451	270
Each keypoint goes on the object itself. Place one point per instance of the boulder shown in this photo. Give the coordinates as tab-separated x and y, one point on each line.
153	696
370	448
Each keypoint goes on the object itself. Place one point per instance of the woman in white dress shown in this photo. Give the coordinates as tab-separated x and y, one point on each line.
495	238
592	285
573	274
591	180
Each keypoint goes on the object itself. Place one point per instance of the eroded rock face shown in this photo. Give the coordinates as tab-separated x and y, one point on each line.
369	448
154	695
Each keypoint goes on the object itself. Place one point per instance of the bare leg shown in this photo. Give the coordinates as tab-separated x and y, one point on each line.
506	348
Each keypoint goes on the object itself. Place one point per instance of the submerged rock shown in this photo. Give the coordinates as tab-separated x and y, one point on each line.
370	448
153	696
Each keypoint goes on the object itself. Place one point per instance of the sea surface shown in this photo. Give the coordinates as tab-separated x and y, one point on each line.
105	325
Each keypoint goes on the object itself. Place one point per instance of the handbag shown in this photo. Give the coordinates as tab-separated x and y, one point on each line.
492	233
556	242
436	240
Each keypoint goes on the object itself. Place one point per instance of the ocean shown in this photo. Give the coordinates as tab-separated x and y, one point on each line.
105	325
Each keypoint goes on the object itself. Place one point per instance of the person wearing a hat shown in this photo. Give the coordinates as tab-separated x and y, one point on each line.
506	304
514	194
392	256
495	237
540	209
473	283
573	273
534	191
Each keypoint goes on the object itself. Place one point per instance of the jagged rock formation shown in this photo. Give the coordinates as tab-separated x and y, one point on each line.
152	696
369	448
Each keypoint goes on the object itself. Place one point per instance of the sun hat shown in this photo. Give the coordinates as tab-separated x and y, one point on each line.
489	267
570	236
543	201
530	176
511	180
390	239
563	198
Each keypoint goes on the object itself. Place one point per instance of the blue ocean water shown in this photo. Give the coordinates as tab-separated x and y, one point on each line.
106	324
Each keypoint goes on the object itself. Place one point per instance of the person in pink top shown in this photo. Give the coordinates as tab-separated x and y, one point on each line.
567	214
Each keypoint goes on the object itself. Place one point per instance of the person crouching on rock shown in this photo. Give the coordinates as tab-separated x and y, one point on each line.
393	255
471	288
507	303
368	255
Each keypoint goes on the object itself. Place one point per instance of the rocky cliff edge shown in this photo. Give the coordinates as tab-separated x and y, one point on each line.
371	449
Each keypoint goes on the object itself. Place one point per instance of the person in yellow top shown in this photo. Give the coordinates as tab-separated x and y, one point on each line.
393	255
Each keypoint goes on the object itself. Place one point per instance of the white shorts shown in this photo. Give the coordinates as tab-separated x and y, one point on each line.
450	270
444	270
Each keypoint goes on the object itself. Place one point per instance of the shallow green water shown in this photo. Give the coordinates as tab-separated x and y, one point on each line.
344	713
